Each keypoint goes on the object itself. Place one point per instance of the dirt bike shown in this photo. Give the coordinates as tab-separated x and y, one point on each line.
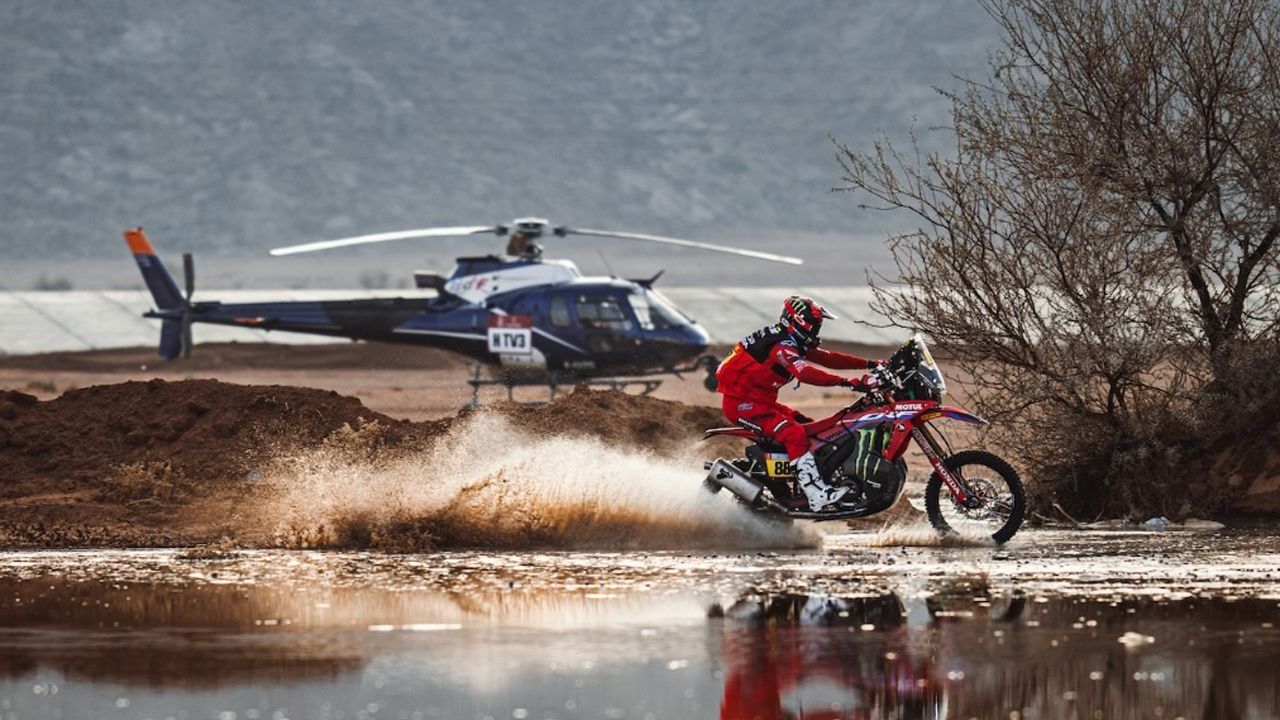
864	444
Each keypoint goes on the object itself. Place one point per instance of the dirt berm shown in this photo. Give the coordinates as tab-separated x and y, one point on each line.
180	463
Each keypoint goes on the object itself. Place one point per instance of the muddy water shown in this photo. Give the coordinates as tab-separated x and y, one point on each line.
1078	625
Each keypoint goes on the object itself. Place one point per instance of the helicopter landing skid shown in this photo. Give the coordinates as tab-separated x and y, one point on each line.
477	381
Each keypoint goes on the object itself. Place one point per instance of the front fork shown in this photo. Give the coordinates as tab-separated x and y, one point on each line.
933	451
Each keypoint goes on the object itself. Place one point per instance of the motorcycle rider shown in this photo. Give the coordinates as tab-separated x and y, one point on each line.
767	359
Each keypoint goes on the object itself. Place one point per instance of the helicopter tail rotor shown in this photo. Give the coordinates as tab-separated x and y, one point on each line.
189	278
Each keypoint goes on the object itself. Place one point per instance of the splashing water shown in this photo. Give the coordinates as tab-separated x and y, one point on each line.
920	534
485	484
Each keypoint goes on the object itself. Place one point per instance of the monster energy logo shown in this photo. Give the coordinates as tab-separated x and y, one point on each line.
867	458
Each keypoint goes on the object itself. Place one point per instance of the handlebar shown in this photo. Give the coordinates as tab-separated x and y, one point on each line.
888	384
887	379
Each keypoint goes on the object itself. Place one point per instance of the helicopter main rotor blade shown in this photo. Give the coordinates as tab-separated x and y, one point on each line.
385	237
687	243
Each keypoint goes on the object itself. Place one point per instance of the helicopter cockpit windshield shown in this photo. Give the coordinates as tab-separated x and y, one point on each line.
654	312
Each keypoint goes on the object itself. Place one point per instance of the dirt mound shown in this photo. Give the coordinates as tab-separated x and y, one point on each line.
216	432
204	430
221	356
615	418
164	463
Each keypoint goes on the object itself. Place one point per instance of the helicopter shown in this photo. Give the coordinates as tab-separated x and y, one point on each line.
539	320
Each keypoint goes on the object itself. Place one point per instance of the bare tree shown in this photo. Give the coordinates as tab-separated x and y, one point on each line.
1102	243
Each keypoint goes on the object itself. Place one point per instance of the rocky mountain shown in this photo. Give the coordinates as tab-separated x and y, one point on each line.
237	125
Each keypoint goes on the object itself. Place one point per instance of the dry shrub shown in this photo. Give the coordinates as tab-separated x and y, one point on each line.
1173	458
1101	253
1184	457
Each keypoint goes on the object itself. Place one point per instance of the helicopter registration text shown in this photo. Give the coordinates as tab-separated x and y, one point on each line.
511	334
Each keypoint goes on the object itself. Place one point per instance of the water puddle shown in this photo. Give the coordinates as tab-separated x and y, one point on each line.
1072	625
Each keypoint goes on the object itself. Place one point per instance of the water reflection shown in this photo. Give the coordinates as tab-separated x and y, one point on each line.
76	644
793	656
210	635
960	654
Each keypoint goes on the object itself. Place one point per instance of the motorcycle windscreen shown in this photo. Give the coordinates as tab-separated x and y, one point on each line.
929	370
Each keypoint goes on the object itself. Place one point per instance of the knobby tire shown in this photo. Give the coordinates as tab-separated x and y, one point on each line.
934	491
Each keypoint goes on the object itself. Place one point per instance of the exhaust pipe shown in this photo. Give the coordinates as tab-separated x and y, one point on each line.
724	474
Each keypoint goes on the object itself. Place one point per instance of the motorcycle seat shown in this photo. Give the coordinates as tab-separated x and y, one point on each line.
765	443
770	446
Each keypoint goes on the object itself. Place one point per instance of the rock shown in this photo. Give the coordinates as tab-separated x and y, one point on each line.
1156	523
1198	524
1106	525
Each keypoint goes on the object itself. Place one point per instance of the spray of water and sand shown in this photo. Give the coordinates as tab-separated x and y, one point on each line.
485	484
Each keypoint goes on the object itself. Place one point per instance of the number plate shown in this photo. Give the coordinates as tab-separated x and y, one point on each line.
510	341
777	465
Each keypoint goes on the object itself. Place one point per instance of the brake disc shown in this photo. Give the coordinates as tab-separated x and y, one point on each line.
981	501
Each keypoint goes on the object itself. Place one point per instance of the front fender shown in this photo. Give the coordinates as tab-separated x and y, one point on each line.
902	431
953	413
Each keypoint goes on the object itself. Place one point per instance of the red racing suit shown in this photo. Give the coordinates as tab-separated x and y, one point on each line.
764	361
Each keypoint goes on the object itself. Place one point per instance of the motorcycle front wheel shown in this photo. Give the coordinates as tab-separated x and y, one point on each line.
997	502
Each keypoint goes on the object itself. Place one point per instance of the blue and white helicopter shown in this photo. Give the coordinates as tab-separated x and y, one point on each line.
517	311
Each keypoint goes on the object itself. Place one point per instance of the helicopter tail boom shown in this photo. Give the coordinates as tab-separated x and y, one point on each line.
173	308
161	284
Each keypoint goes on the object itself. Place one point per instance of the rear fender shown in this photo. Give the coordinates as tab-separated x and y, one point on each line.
734	431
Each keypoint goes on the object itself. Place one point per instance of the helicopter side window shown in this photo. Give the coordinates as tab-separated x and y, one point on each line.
602	312
559	312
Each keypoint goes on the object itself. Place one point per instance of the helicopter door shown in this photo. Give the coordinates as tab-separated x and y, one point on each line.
605	323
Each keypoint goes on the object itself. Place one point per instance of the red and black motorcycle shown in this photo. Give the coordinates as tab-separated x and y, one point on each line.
864	445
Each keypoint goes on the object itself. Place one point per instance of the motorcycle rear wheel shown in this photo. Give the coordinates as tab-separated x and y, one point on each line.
1003	503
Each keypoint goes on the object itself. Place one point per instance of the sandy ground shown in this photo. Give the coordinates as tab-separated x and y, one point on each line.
110	458
403	382
160	462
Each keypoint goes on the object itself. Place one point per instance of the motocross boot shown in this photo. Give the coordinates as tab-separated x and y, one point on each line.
816	490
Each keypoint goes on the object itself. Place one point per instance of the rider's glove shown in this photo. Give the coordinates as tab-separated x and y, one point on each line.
866	383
